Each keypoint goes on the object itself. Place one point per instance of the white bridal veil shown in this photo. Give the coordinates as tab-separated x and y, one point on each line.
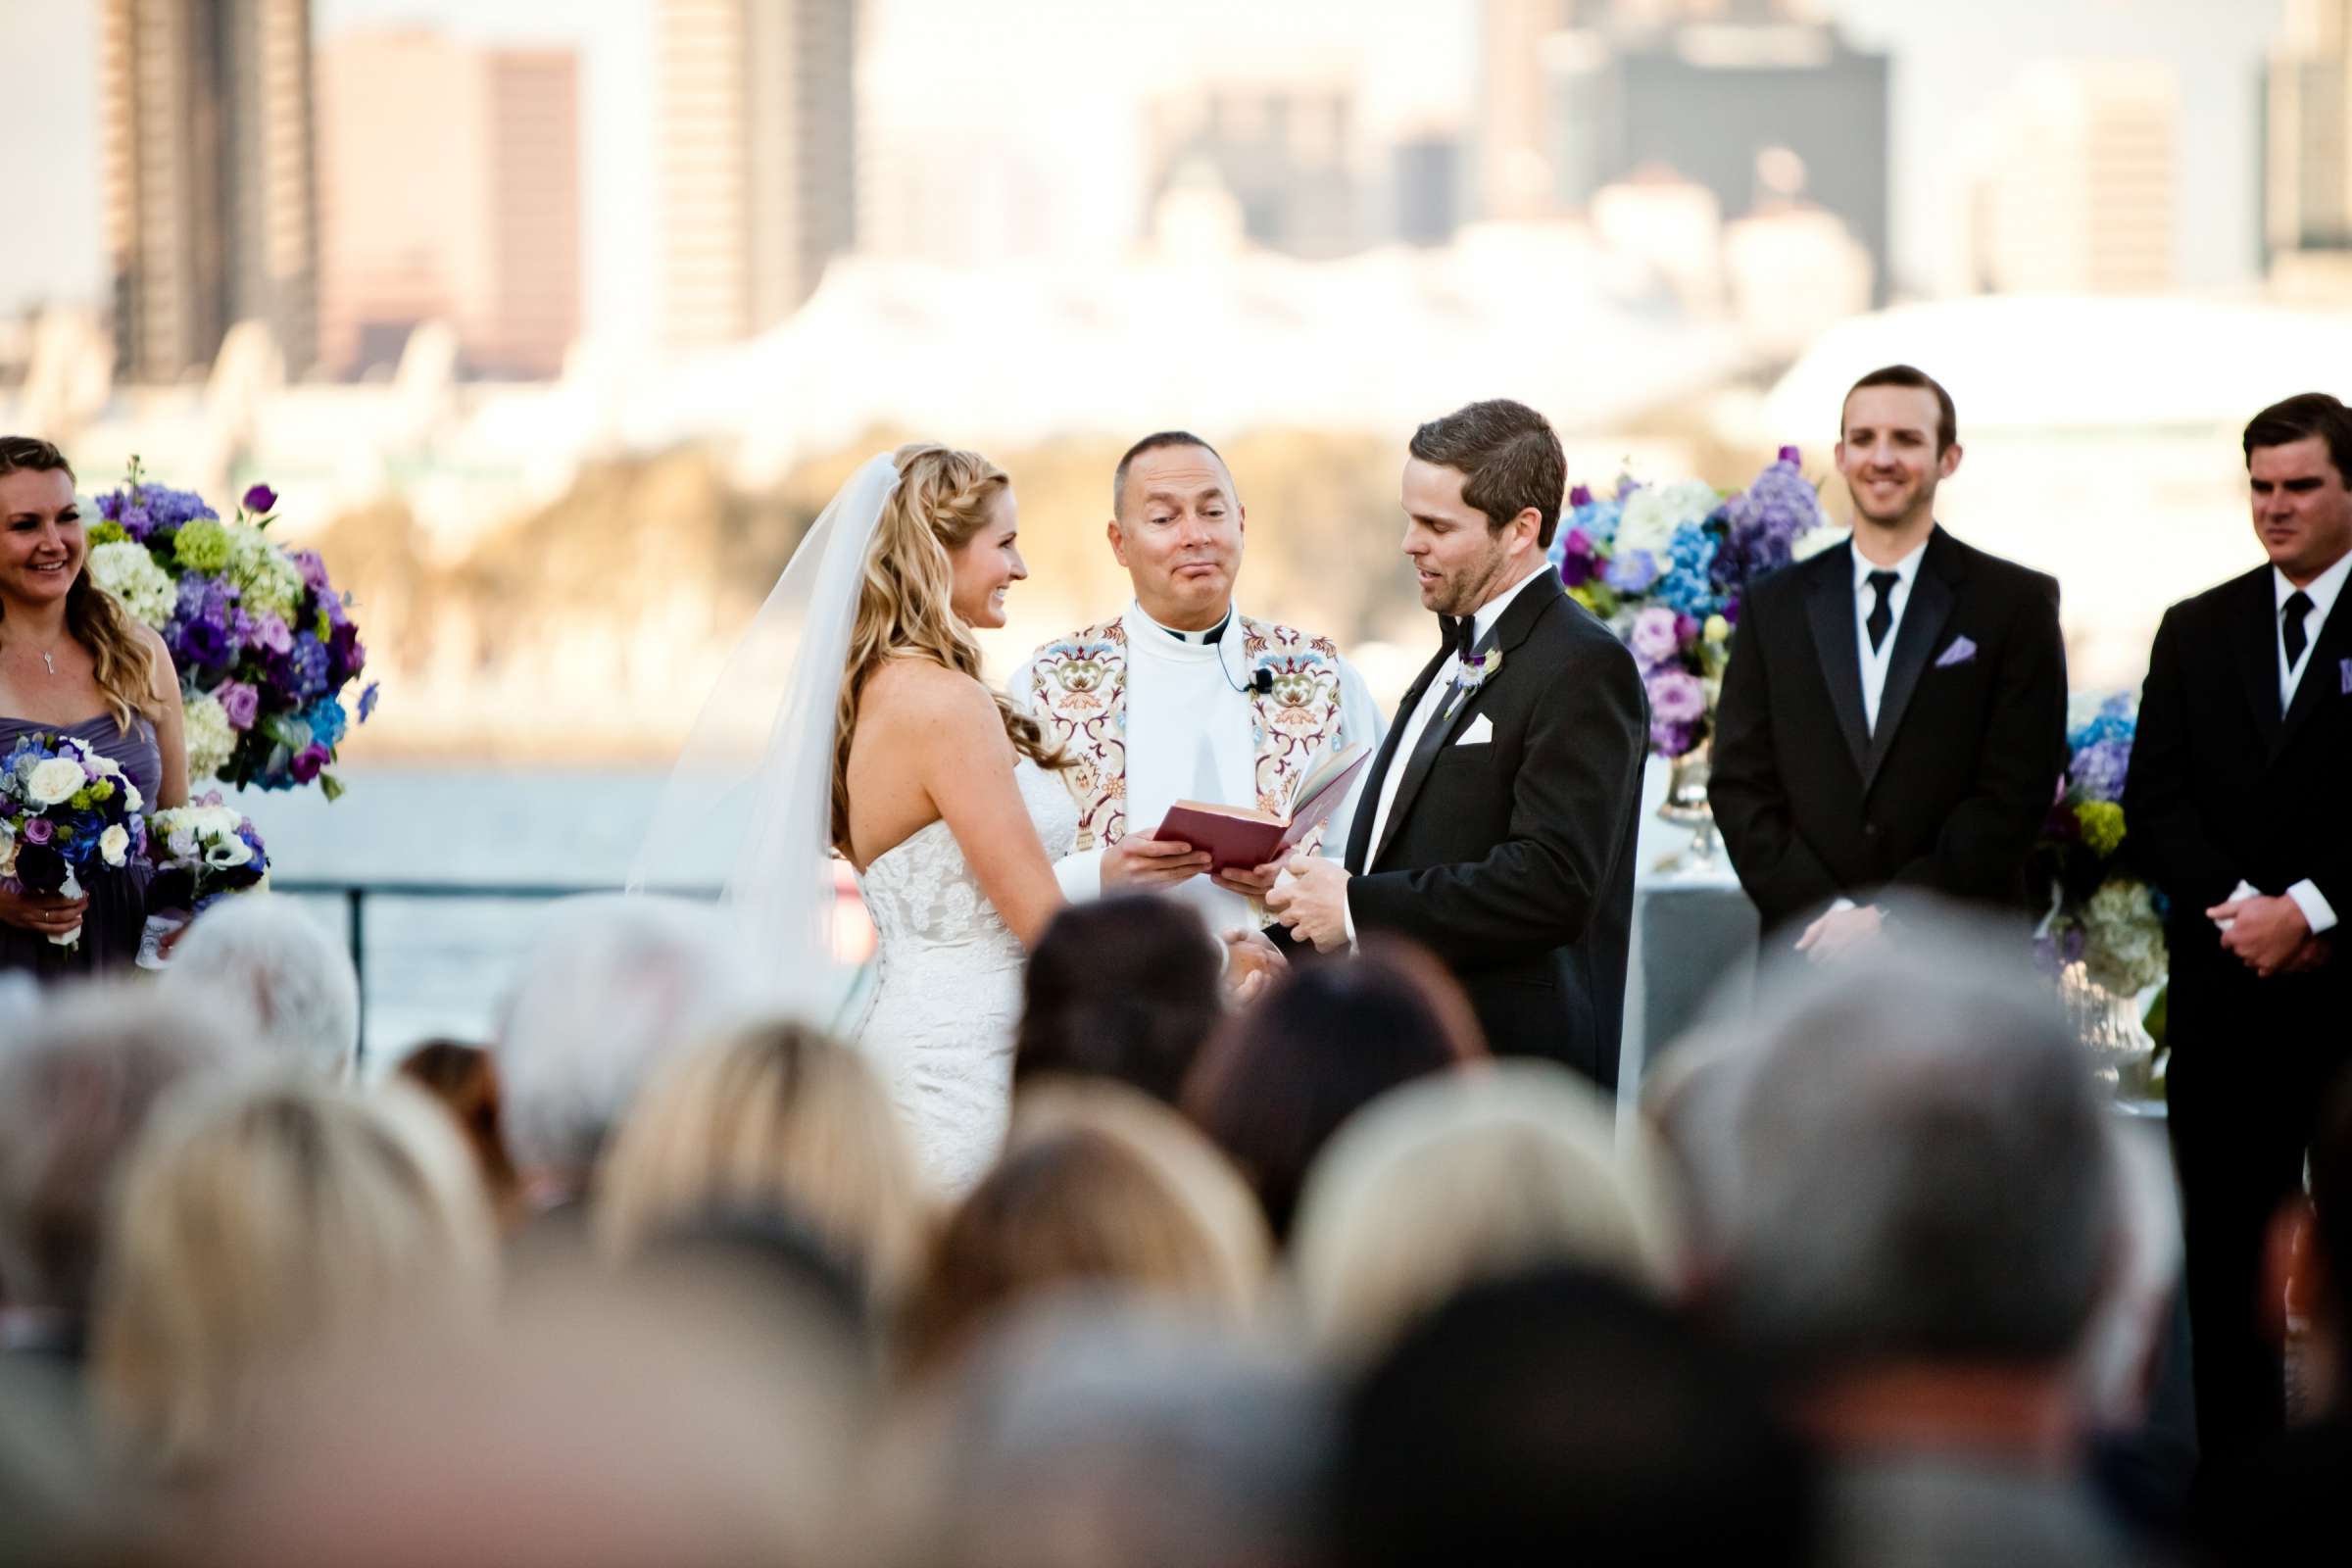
755	776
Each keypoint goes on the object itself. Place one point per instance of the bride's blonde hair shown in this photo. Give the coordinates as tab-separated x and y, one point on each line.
904	610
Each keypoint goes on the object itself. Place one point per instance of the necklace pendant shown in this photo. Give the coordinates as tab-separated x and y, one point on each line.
49	664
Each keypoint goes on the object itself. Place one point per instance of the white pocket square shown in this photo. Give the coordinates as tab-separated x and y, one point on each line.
1481	731
1959	653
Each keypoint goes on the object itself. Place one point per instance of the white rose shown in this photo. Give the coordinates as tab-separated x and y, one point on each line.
114	845
132	799
54	780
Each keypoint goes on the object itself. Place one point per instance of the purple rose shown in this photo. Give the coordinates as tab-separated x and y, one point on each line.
307	764
1652	638
1580	496
1676	695
261	498
313	569
270	632
39	868
240	701
38	830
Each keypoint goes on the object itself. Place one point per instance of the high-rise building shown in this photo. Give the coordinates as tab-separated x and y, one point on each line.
489	240
1426	171
2306	132
1282	151
211	205
757	160
2080	187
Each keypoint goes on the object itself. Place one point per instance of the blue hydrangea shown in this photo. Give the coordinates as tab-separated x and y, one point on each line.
328	722
1688	586
1632	573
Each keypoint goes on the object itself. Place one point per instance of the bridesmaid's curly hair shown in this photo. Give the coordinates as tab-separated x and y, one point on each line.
124	656
904	609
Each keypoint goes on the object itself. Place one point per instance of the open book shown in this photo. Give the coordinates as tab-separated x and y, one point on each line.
1238	835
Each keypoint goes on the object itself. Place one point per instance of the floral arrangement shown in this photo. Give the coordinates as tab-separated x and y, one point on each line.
2101	918
1665	565
264	642
64	805
202	850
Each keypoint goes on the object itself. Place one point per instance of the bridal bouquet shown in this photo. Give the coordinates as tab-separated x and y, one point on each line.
65	808
202	850
1665	565
264	645
2101	916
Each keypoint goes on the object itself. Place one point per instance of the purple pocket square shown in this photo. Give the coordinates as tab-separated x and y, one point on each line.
2347	667
1960	652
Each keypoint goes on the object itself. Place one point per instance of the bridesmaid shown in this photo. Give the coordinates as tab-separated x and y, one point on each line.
73	659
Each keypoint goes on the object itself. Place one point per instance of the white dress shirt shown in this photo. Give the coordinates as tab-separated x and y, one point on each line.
1425	713
2322	591
1876	660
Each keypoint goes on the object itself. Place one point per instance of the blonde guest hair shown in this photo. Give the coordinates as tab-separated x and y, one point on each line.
122	650
776	1117
1463	1177
905	610
265	1225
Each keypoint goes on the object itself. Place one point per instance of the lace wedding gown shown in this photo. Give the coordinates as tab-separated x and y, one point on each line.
940	1023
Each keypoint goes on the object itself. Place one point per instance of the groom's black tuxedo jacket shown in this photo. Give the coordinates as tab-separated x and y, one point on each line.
1513	859
1949	793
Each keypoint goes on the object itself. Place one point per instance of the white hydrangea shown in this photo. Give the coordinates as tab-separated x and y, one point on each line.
2122	939
268	580
127	571
1653	515
211	742
1813	542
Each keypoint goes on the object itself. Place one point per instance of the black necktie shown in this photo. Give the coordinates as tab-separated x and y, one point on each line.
1882	614
2297	605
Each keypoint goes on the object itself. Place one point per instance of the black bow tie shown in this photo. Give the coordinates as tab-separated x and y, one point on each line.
1461	634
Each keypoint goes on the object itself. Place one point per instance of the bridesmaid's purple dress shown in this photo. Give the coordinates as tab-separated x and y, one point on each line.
110	930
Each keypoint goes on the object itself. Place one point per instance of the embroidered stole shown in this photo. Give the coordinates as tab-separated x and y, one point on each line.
1078	692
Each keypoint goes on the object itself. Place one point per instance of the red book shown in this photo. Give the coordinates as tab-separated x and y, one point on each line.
1238	835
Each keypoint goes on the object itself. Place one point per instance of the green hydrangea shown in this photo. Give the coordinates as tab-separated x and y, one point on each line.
104	532
2102	824
202	545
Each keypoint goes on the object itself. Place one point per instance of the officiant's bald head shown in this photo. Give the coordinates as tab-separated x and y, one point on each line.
1176	526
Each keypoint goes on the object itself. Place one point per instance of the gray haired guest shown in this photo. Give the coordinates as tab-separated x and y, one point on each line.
278	977
1910	1203
613	984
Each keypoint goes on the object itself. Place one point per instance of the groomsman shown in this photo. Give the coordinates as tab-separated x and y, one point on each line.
2236	804
1893	717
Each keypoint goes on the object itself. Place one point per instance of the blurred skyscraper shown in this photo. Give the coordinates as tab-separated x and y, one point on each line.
2307	150
210	193
2081	184
757	162
1281	150
450	190
1426	173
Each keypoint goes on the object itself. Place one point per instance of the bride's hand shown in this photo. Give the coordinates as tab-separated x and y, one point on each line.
1252	963
1140	861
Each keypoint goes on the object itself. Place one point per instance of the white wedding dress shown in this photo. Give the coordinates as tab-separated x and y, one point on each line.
939	1023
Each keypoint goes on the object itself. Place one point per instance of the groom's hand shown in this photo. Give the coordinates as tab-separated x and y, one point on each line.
1140	861
1313	900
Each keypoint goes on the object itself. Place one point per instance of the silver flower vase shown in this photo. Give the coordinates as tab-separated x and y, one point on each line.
1686	806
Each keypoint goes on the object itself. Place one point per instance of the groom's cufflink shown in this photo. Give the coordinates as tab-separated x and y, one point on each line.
1481	731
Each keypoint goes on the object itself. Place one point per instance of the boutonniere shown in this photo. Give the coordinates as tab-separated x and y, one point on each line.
1472	674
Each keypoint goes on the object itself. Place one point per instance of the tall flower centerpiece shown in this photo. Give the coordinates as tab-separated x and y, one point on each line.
1666	566
264	645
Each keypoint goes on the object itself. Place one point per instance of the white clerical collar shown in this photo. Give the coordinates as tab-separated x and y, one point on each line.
2321	590
1905	569
1196	639
1484	618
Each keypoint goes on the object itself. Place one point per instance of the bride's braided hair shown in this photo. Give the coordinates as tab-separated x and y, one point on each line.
904	609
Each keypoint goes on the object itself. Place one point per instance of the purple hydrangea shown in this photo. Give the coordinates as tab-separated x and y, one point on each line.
2098	770
313	569
1632	573
309	665
1763	522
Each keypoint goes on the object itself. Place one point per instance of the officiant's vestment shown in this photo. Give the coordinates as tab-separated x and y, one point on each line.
1153	715
1499	823
2241	771
1902	733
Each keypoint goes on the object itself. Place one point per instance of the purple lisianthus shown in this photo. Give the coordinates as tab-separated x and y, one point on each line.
202	639
259	498
38	830
1653	639
308	763
240	701
313	569
40	868
1579	496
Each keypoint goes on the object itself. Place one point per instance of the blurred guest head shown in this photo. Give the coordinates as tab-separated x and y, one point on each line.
76	1089
2299	473
1563	1417
612	983
1067	1209
773	1117
264	1224
2117	1363
1122	988
277	976
1910	1193
464	1080
1327	1040
1087	1433
1467	1176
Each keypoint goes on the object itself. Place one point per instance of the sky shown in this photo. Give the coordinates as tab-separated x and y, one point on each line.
1064	82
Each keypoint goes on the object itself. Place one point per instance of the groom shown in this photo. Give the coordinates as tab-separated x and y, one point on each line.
1500	815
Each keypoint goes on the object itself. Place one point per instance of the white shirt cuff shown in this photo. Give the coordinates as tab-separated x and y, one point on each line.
1080	875
2317	912
1347	919
1840	906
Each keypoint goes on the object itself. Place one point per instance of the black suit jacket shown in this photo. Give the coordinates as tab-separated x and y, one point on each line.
2223	786
1513	860
1949	792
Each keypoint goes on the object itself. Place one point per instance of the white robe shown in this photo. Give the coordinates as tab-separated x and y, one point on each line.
1188	739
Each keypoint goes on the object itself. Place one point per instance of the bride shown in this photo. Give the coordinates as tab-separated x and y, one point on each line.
889	749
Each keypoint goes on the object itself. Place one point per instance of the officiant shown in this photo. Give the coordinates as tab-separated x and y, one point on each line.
1180	696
